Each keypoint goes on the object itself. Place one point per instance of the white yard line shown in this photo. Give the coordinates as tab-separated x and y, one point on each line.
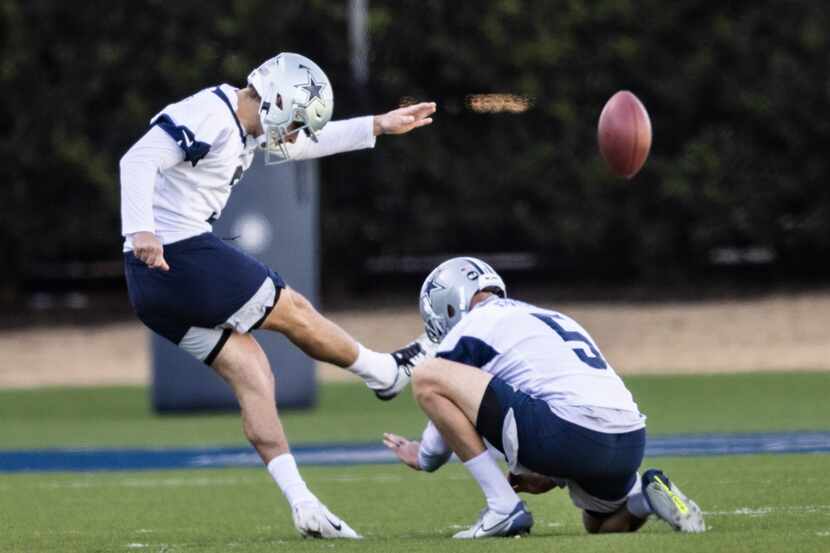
766	511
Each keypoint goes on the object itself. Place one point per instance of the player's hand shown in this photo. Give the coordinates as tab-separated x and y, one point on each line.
403	120
406	450
147	247
531	483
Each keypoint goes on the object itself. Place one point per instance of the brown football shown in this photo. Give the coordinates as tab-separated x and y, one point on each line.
624	134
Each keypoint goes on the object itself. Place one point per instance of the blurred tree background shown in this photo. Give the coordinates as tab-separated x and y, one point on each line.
737	93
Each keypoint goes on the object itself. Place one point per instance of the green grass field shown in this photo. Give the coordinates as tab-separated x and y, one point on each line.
753	503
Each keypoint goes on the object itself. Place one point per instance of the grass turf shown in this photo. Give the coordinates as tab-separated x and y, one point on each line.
753	503
80	417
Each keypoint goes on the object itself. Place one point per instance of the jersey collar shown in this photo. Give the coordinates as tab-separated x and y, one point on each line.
218	91
490	299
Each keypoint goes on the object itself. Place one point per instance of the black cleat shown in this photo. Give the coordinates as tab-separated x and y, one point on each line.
406	358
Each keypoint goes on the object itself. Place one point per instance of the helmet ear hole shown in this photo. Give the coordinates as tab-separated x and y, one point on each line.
450	311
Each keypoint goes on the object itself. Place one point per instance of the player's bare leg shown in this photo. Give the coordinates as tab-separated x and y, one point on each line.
243	364
318	337
450	394
619	521
322	339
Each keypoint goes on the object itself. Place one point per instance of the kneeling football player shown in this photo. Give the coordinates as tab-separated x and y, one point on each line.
533	383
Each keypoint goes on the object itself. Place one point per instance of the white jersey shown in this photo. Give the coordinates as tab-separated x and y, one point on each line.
176	180
548	356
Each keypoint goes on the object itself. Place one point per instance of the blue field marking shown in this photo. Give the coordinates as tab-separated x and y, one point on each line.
686	445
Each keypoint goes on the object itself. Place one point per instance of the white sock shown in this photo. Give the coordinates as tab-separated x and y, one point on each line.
283	469
378	370
638	506
500	496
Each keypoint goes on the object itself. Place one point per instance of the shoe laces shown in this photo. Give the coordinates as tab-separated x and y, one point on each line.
406	356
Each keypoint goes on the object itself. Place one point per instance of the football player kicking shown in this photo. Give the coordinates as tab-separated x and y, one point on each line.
533	384
206	296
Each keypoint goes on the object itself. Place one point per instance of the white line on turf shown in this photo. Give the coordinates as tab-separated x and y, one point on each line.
148	483
203	482
765	511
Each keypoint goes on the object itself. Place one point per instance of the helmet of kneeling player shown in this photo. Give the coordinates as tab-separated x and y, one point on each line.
448	290
295	96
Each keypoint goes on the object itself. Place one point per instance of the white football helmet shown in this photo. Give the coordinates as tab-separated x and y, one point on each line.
447	291
295	95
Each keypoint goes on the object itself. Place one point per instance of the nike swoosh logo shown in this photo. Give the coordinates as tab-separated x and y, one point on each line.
337	527
496	525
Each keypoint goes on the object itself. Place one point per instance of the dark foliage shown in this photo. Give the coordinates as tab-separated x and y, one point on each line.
737	93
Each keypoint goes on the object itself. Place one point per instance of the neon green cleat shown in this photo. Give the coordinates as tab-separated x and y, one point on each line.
671	504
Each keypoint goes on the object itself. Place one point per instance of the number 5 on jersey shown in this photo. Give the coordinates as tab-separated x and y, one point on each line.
593	360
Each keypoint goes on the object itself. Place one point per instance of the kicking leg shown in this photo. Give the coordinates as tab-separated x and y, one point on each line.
243	364
318	337
450	394
322	339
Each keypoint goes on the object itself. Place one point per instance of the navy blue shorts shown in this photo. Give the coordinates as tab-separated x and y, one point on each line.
211	289
603	465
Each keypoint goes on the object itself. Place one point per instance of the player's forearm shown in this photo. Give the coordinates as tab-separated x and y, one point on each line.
429	462
338	136
434	451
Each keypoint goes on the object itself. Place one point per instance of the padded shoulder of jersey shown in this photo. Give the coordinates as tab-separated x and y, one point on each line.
196	123
479	324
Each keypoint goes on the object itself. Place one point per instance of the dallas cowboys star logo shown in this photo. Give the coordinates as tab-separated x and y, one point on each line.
312	88
433	285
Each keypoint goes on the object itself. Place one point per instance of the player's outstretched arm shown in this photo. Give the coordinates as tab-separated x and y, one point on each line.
405	119
347	135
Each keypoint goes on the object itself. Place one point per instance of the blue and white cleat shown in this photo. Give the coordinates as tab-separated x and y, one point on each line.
671	504
407	358
491	524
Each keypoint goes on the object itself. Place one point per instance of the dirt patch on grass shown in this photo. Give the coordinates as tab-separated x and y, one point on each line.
780	332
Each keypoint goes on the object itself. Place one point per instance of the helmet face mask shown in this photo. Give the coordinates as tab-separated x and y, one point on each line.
277	138
448	290
295	95
434	325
